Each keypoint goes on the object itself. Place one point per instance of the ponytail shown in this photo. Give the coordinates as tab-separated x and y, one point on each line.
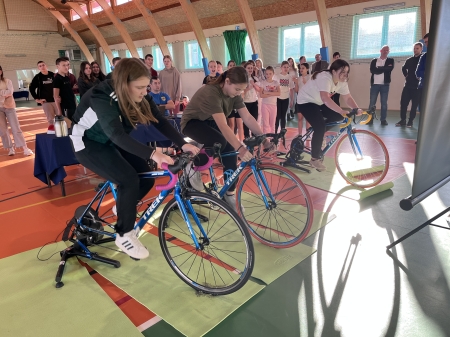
336	65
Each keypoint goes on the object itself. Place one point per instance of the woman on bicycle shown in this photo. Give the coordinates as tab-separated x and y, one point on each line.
315	102
205	121
101	141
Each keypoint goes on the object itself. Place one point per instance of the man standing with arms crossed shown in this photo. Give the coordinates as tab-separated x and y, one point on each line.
62	89
381	69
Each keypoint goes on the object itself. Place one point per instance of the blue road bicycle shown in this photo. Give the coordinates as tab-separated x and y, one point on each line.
273	201
361	157
203	240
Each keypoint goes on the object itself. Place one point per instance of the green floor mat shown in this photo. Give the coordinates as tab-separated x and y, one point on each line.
30	305
153	283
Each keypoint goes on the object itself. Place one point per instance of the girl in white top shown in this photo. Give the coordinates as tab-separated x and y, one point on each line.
286	85
270	90
293	71
8	115
315	103
251	94
299	83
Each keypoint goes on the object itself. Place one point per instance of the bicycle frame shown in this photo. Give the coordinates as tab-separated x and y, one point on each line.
185	207
259	177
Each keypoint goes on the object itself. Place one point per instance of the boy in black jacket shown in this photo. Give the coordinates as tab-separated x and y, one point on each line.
41	88
410	91
381	69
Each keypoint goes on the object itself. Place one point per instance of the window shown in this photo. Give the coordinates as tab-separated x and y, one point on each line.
115	53
74	16
140	53
121	2
193	54
397	29
95	7
158	63
300	40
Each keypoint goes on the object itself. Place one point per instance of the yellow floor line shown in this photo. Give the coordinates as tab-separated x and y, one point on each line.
43	202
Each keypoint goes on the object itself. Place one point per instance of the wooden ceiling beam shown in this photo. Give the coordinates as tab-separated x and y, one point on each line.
247	16
151	22
196	27
69	28
93	28
120	27
324	26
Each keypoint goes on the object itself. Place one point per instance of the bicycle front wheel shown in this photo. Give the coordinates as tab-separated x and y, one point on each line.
224	260
276	206
363	159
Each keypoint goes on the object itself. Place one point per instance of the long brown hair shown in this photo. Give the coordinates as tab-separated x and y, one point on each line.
126	71
83	75
1	76
336	65
236	75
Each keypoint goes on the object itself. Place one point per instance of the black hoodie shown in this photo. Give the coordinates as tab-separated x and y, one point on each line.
41	86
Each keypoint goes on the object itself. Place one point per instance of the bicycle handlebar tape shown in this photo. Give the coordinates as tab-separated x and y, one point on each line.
376	190
358	173
207	165
172	182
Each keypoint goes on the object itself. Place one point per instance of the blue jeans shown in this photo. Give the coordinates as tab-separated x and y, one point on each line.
383	90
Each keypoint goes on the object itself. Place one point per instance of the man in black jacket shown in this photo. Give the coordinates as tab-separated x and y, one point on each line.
41	88
381	69
410	91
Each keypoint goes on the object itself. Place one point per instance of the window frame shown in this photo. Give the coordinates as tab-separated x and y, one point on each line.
281	56
384	32
186	54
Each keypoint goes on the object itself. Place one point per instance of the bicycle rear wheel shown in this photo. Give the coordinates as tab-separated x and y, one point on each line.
364	161
288	215
225	259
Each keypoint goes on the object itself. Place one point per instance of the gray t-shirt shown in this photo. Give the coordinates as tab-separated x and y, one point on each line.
207	101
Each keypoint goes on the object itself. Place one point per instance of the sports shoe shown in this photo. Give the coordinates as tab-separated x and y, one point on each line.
27	152
231	201
51	129
401	123
11	152
317	164
410	123
131	245
194	178
384	122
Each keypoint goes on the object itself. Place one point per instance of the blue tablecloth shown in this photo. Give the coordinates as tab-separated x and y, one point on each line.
20	94
51	155
148	133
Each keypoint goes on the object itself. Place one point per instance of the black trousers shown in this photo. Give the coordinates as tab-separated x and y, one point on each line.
207	133
282	107
253	109
315	115
336	98
121	168
409	95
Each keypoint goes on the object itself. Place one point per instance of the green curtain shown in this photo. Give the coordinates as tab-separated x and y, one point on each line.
235	40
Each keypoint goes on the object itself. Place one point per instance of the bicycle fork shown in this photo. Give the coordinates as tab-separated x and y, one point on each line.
260	181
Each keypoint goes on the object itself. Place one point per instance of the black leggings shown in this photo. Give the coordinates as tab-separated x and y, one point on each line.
253	109
122	169
282	107
315	115
208	133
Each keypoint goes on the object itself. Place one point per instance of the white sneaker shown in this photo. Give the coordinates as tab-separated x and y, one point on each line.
27	152
11	152
131	245
195	178
318	165
231	201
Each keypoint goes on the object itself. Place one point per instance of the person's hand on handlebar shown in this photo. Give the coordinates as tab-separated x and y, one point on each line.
160	158
268	145
244	154
194	150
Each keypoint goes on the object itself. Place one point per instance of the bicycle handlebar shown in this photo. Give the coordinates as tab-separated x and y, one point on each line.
353	113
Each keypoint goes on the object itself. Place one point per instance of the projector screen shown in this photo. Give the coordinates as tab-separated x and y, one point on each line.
432	165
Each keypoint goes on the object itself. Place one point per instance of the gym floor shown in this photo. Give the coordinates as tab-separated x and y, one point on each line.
349	287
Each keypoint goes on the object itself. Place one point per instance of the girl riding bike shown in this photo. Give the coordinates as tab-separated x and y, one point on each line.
100	136
315	103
